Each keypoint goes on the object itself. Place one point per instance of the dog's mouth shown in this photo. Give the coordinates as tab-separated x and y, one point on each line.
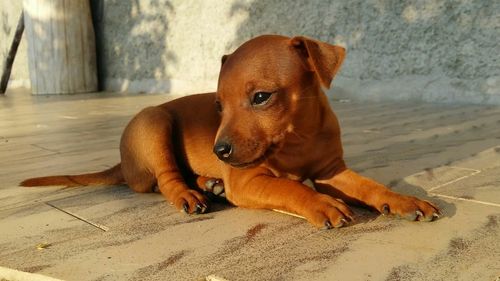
256	161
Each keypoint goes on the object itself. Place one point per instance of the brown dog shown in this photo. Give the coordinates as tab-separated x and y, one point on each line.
273	128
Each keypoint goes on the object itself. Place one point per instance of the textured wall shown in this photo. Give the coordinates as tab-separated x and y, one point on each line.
152	45
439	50
433	50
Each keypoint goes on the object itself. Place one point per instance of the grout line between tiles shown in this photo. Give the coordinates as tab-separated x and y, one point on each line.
465	199
475	172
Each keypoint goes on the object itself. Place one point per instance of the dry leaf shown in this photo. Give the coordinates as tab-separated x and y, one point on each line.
42	246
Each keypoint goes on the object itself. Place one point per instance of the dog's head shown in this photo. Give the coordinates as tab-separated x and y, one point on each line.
266	87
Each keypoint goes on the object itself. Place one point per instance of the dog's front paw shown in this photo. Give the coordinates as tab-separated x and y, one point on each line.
409	208
191	201
215	187
326	212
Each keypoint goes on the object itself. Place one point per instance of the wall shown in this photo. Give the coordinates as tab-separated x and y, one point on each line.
439	51
158	46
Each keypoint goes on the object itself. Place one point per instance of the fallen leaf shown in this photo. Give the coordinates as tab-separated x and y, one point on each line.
42	246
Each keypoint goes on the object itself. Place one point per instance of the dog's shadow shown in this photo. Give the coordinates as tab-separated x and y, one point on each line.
218	203
362	214
447	209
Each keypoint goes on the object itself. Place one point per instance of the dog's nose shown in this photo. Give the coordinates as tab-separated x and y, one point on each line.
223	150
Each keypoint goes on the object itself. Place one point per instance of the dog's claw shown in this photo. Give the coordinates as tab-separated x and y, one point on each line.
435	216
185	208
341	224
328	225
209	184
218	189
199	208
385	210
419	215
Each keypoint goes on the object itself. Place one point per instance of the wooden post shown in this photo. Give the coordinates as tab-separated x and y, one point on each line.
9	60
61	46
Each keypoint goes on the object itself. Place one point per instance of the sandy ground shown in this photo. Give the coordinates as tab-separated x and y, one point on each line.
448	154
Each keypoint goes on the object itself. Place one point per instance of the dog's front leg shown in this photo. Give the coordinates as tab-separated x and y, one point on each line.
352	187
259	188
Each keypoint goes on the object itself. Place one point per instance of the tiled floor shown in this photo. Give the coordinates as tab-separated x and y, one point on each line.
446	154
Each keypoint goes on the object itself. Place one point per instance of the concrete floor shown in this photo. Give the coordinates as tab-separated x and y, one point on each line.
448	154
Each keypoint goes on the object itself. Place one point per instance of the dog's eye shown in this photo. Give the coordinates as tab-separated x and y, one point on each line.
218	106
260	98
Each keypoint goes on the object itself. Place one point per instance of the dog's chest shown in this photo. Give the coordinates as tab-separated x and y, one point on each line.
299	165
280	173
293	168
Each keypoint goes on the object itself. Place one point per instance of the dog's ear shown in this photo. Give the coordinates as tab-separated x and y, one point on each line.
322	58
223	59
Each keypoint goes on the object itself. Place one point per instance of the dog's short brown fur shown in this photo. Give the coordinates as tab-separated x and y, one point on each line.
273	130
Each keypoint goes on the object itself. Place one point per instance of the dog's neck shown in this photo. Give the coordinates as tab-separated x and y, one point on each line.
319	121
310	133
